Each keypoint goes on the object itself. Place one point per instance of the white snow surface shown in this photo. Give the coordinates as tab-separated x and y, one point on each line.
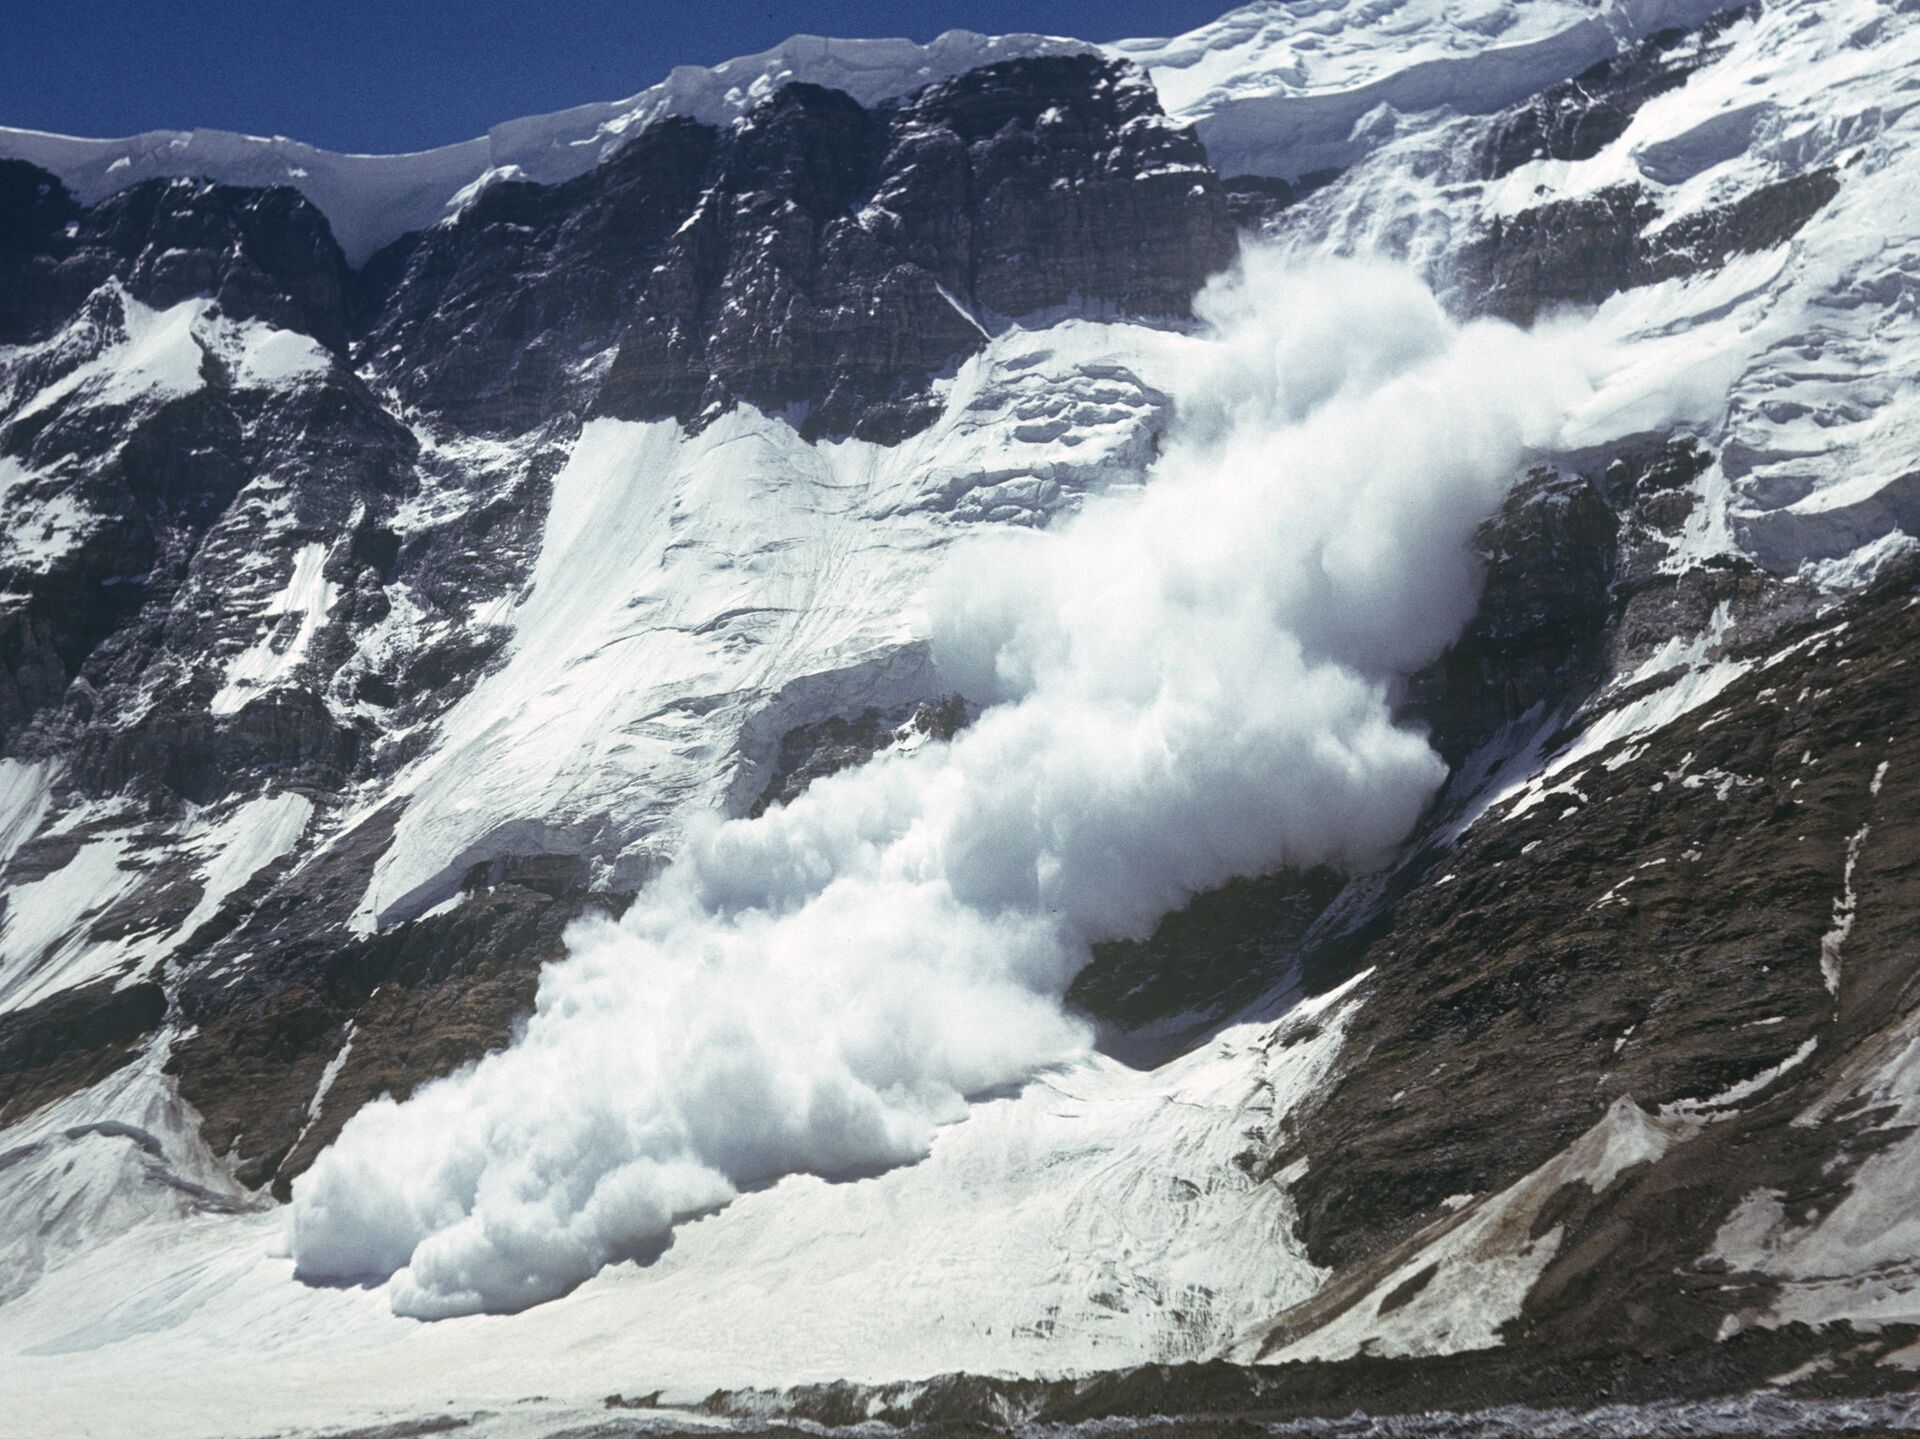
696	596
238	847
45	946
1185	681
1097	1218
25	797
153	357
98	1164
287	626
1856	1260
1288	89
1274	88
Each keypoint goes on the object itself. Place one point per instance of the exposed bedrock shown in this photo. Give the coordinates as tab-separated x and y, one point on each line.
1578	118
264	255
1578	252
251	552
818	258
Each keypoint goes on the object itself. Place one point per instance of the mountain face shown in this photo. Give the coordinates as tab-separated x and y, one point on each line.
815	259
410	562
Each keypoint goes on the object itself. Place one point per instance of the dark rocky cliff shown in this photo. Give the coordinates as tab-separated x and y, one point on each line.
817	258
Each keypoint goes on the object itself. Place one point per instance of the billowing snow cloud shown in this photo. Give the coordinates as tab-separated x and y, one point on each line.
1187	682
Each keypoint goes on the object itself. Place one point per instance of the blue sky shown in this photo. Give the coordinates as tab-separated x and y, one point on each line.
404	74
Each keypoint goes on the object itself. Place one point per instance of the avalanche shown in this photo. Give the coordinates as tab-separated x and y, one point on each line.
1184	683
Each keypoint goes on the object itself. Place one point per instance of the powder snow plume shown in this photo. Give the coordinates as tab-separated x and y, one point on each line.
1187	682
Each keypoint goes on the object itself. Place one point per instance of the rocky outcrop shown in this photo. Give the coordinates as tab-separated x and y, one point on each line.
71	1040
1539	636
1225	951
814	751
1578	118
265	255
273	555
1579	252
222	589
1655	921
276	1070
144	599
817	259
1756	1382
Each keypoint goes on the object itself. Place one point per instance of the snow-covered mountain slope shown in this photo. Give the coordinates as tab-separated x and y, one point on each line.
372	200
1791	115
1291	90
1274	88
751	582
1095	1218
366	623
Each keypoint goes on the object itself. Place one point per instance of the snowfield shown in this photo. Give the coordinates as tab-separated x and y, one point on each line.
1096	1218
1799	361
691	593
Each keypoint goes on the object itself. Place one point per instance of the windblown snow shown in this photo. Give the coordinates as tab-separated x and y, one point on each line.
1095	1218
1796	363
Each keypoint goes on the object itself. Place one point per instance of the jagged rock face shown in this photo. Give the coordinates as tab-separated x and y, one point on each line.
1577	119
1225	951
487	318
122	611
72	1039
817	257
388	1013
1659	922
1580	589
243	598
814	751
260	254
1539	636
136	514
1579	252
